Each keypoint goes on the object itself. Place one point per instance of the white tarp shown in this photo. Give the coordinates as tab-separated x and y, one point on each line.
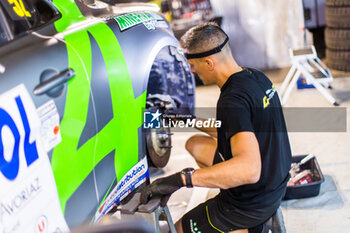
262	31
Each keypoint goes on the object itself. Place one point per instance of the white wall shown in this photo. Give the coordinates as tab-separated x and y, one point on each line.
262	31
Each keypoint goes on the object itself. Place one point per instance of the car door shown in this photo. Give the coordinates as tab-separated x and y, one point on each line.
55	75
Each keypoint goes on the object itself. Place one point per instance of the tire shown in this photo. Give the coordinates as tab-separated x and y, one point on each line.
337	39
338	17
339	60
337	2
170	90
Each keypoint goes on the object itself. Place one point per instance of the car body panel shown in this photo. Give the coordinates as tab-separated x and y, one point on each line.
101	108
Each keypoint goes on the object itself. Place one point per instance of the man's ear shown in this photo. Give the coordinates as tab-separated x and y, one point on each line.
210	63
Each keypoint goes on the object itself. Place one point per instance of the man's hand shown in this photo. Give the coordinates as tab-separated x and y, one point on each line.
162	187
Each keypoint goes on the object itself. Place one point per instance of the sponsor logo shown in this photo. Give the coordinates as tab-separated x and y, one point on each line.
130	176
10	168
268	96
20	199
194	227
130	181
41	225
151	120
133	19
102	207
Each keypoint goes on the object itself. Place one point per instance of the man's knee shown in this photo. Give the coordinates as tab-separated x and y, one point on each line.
202	148
198	141
178	226
192	142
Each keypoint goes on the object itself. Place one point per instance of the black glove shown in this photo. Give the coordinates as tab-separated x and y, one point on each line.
162	187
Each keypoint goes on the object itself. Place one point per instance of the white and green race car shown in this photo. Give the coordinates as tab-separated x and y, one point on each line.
76	80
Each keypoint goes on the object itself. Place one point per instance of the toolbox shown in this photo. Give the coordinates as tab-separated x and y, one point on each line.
303	190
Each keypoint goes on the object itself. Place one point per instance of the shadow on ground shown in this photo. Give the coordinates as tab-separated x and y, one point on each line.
328	198
342	95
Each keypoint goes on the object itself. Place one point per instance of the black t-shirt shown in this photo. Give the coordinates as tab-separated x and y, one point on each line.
249	102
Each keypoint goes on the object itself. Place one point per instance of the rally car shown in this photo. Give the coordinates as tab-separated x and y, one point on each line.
88	71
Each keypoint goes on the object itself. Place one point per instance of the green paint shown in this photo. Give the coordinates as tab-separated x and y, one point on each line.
70	14
127	110
67	168
72	166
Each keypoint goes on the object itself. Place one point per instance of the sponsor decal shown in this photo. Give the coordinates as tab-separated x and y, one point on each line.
17	8
10	168
42	223
20	199
50	127
148	19
11	227
27	185
130	181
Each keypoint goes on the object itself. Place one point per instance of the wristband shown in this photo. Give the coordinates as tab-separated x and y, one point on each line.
188	176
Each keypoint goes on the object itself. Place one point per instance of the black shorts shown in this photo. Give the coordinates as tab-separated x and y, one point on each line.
218	215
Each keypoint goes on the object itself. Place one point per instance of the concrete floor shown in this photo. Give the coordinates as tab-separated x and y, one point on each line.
330	210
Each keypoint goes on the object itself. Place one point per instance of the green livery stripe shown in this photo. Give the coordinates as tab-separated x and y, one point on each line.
70	14
72	166
69	168
122	131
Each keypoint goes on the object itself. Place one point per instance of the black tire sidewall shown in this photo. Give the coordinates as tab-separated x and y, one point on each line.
338	17
339	60
339	3
337	39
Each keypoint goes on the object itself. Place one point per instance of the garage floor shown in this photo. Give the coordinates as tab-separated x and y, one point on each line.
330	210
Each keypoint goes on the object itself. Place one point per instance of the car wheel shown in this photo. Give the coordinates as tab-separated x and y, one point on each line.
158	142
337	39
171	91
338	17
337	3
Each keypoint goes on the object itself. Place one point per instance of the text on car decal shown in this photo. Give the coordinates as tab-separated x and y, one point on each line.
19	8
133	19
10	168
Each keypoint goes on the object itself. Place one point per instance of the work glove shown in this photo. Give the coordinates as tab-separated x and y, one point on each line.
163	188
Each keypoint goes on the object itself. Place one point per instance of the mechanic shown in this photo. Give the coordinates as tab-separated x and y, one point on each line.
248	157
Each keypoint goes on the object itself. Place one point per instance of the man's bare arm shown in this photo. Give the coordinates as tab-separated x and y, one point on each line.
243	168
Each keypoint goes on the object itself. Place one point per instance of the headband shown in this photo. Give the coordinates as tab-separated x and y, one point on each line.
207	53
